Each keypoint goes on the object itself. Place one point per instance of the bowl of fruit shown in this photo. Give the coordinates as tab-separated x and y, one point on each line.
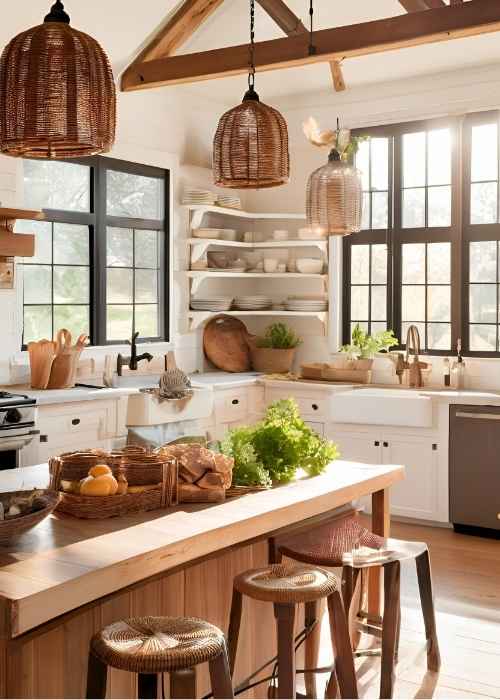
22	510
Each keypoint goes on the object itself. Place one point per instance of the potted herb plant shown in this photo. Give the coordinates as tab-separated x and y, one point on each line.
358	355
274	352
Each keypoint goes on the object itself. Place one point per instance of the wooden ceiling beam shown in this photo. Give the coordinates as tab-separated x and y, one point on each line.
178	28
441	24
419	5
288	22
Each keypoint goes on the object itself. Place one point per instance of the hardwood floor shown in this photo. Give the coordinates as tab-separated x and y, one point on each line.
466	576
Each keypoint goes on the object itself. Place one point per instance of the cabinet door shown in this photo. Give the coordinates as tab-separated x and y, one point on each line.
416	496
357	447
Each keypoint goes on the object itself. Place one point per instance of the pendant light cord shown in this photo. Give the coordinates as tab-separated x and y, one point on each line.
312	48
251	74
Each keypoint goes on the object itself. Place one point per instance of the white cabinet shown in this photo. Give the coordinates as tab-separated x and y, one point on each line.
416	496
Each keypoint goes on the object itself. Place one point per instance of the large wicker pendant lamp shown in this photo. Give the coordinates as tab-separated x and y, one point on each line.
251	142
57	93
334	192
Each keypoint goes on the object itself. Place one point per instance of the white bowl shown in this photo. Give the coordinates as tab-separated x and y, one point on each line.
309	266
280	235
306	234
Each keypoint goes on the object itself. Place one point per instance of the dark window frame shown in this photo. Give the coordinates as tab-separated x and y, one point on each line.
97	221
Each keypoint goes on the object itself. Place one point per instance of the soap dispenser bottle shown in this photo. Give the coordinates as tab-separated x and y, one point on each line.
459	368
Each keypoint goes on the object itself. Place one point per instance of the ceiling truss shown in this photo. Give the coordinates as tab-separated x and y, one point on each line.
426	21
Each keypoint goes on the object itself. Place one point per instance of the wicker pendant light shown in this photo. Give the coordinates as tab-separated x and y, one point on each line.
251	142
57	93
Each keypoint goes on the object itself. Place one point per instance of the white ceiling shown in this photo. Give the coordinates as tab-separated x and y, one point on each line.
123	26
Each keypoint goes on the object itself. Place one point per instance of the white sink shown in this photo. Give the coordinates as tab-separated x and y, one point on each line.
140	381
372	406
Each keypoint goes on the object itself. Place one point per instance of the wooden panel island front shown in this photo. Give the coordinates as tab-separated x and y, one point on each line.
67	578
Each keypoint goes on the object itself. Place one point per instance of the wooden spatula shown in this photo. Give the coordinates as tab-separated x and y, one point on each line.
41	354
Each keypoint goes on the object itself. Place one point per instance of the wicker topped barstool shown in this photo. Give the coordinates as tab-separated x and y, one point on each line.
333	545
286	587
150	646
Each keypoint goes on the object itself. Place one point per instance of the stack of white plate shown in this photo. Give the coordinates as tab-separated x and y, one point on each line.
230	201
225	234
214	303
194	195
295	304
253	303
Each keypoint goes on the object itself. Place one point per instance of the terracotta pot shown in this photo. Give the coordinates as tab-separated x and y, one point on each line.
271	360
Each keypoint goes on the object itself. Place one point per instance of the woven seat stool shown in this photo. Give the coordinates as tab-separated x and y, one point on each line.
149	646
332	545
286	587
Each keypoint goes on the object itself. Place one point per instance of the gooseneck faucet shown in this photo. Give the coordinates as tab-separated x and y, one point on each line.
415	367
133	361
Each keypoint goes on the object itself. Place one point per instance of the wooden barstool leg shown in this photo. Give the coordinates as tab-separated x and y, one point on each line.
234	628
97	674
220	677
398	635
313	611
147	686
427	600
351	595
183	684
341	645
285	625
389	627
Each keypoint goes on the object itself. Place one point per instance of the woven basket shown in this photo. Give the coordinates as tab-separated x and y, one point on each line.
14	528
152	469
236	491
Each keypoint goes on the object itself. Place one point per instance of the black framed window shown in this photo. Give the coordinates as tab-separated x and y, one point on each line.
101	265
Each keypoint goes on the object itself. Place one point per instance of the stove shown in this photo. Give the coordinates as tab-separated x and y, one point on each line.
17	427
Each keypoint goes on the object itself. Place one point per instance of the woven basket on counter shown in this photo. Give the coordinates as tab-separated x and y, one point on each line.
15	527
235	491
137	466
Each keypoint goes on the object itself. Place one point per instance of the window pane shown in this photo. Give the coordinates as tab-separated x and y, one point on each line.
43	239
413	303
421	331
484	161
119	247
363	163
146	320
146	286
379	163
379	303
439	336
484	203
71	285
146	249
439	157
483	303
439	206
379	263
360	264
438	263
483	338
365	218
413	263
378	326
120	286
362	324
134	195
414	160
119	322
438	303
483	261
359	303
37	323
71	244
37	284
74	318
56	185
380	211
414	208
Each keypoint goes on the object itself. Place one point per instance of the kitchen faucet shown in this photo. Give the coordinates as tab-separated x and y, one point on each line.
134	359
415	367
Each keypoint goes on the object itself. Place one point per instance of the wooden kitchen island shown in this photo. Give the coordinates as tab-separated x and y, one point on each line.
68	578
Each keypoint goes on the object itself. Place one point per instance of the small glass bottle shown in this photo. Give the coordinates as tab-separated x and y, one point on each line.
446	372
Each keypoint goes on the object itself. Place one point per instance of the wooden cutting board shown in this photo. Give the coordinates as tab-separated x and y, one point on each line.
226	344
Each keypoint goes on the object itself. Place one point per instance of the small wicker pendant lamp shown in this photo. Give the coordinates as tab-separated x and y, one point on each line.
334	192
251	142
57	93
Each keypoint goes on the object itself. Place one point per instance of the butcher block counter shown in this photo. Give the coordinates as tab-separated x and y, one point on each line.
67	578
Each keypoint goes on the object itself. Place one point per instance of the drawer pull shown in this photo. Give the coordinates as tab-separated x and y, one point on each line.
385	444
75	421
377	443
235	402
44	438
480	416
315	407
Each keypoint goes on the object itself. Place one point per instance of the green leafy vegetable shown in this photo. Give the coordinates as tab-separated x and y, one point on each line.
279	336
276	447
365	346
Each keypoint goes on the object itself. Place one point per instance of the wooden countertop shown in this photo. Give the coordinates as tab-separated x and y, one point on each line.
64	562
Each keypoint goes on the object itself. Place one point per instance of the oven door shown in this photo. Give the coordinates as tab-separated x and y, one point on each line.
11	448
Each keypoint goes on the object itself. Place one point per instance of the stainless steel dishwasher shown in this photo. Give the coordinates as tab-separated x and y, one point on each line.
474	453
